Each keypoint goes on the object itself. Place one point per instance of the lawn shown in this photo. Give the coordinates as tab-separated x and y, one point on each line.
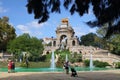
32	64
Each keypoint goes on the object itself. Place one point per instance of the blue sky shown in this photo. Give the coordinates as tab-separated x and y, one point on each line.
25	23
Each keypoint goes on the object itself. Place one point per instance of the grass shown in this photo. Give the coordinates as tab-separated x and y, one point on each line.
39	64
32	64
44	64
3	64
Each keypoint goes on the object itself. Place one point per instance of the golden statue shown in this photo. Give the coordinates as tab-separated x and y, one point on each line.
65	20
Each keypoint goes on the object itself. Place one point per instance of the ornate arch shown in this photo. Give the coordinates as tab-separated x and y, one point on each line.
73	43
54	43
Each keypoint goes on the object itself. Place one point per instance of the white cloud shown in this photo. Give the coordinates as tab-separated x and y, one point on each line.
35	24
2	10
83	30
79	31
93	30
23	28
35	33
33	28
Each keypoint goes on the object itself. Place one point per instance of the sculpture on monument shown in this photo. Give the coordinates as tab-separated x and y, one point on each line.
63	43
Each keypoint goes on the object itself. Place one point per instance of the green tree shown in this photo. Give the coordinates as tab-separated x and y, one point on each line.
101	9
25	43
114	44
101	32
7	33
90	39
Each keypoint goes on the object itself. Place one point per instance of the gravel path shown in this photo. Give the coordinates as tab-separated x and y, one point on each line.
96	75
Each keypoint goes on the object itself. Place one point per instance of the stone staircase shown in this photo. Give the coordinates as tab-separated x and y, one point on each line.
102	55
97	53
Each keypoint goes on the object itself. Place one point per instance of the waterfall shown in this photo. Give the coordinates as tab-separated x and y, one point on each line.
91	62
66	58
52	61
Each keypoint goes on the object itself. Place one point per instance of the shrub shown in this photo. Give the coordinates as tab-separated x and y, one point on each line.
86	62
23	65
117	65
75	58
96	63
100	64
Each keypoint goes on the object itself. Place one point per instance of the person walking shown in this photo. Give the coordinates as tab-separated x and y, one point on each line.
66	66
9	66
27	63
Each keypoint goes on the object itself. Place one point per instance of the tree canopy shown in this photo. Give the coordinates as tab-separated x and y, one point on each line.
115	44
91	39
25	43
112	43
7	32
106	11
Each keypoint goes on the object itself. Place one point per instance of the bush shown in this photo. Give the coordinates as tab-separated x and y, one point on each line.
75	58
96	63
100	64
117	65
62	57
23	65
86	62
3	64
42	58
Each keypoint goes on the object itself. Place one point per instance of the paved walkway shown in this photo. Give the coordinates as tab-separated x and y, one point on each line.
97	75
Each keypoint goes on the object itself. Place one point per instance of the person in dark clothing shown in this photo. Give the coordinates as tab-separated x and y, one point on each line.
73	72
13	67
27	63
66	66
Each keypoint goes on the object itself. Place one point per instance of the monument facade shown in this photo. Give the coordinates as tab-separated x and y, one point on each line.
65	39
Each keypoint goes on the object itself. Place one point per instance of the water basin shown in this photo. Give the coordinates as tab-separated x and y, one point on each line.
20	69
